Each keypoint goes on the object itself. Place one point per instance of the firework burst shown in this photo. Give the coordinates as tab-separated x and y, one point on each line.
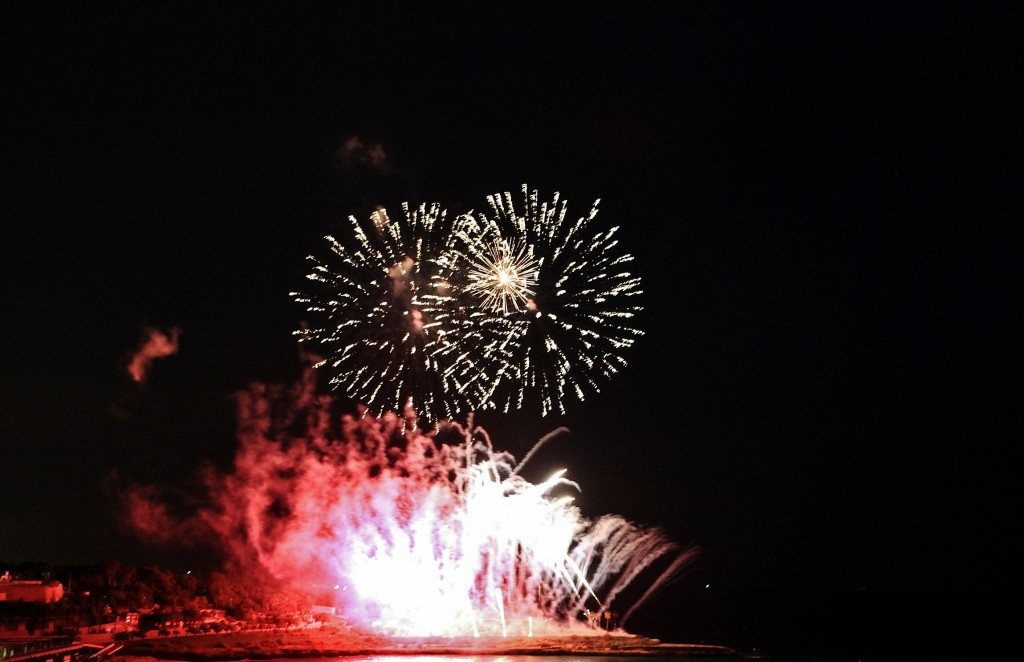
503	274
507	309
564	335
390	328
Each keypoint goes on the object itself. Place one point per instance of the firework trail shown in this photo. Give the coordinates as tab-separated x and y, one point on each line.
420	534
391	328
560	296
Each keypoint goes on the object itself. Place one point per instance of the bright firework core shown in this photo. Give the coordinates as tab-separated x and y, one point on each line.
413	533
504	276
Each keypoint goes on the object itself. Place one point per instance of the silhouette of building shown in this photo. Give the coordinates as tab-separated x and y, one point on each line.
29	590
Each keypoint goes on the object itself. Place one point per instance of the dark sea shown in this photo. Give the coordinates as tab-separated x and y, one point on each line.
838	626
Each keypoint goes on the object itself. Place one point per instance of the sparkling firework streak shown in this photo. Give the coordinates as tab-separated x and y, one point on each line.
419	534
567	336
391	328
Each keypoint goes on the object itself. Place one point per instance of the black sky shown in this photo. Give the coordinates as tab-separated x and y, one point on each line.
822	200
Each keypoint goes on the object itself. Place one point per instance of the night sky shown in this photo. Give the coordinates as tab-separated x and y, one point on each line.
822	201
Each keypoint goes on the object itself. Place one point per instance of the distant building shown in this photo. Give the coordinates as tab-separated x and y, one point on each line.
30	591
322	609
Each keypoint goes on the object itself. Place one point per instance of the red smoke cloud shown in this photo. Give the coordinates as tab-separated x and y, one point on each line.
155	344
409	532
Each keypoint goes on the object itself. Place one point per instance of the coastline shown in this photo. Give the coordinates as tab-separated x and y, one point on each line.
270	645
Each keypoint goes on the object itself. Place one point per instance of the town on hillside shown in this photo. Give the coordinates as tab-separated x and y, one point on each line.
71	613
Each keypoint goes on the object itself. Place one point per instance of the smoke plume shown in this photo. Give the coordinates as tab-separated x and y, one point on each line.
155	344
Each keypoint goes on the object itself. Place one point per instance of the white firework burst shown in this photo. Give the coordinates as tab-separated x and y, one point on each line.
503	274
389	327
567	336
504	309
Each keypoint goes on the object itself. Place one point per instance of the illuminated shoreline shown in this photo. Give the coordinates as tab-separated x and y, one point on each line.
270	645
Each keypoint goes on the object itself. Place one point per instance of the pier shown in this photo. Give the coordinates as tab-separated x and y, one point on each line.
49	649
